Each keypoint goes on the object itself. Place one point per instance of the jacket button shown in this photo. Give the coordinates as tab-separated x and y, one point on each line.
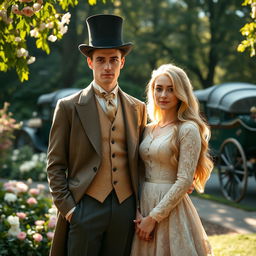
115	182
112	141
95	169
113	128
114	169
113	155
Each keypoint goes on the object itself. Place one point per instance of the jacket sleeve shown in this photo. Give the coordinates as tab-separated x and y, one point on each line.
57	160
190	147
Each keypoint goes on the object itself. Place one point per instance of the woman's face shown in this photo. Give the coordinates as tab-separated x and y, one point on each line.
164	96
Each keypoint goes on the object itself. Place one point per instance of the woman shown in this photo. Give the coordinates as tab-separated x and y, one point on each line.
175	153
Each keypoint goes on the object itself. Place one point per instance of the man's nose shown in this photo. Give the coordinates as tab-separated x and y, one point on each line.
107	66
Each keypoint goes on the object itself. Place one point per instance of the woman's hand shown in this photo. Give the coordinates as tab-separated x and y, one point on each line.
145	228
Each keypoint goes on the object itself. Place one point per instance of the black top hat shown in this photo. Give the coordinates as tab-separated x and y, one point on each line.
105	32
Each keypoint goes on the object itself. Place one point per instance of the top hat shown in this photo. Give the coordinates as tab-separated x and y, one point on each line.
105	32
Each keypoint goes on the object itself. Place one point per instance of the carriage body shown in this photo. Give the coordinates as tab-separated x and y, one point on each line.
227	109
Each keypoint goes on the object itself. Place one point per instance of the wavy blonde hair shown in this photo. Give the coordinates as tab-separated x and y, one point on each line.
187	110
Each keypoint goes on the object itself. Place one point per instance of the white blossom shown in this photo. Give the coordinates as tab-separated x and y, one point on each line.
22	53
37	7
66	18
10	197
27	166
34	33
63	29
14	230
31	60
52	38
13	220
17	39
42	26
49	25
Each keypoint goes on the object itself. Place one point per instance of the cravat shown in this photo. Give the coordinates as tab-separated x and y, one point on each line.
110	106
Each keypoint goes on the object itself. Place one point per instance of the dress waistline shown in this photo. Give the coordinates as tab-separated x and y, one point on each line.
158	181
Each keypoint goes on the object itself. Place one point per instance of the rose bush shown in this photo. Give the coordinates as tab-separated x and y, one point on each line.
27	220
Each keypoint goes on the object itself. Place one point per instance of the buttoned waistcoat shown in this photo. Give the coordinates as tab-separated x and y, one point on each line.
74	153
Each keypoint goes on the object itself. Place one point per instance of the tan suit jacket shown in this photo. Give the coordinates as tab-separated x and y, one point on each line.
74	153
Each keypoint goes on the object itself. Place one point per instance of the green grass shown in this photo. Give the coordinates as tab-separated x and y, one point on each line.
234	245
224	201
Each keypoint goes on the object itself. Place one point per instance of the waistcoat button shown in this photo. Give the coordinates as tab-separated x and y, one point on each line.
95	169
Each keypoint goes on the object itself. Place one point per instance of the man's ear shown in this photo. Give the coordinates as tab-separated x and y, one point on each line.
122	62
89	62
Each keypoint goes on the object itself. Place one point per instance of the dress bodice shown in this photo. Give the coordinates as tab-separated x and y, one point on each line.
155	152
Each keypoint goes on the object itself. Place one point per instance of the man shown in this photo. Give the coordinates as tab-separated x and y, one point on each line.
93	153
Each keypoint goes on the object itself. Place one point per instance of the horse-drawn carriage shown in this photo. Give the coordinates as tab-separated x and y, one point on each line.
230	110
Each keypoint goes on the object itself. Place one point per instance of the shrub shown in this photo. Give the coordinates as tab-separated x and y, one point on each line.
27	220
7	127
24	164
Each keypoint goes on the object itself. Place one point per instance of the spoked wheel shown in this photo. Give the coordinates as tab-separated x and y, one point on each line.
232	170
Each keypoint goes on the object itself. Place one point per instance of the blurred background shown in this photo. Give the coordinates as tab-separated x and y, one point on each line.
201	36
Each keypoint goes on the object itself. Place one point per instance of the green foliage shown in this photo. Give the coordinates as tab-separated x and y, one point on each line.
21	19
249	31
27	220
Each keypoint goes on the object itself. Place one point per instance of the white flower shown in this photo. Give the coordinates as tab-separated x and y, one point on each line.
49	25
10	197
34	32
52	211
63	29
27	166
37	7
31	60
17	39
22	53
35	157
13	220
14	157
52	38
14	231
66	18
15	152
42	26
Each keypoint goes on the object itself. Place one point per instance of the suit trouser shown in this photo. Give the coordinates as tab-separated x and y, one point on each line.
102	229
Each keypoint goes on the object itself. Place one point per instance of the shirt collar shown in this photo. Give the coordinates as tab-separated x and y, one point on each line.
100	89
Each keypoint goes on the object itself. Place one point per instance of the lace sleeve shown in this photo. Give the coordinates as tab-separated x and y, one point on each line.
190	147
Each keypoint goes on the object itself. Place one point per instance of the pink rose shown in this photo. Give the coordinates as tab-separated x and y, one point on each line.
50	235
21	215
37	237
52	222
22	236
31	201
27	11
21	186
39	222
34	191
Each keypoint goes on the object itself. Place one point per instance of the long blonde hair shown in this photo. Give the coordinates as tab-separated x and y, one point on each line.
187	110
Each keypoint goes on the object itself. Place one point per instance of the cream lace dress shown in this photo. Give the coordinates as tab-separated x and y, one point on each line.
179	231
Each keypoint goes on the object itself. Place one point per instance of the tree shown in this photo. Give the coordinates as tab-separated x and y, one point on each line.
39	19
249	31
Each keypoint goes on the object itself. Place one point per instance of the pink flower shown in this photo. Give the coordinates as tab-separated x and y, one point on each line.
27	11
37	237
52	222
41	186
50	235
22	236
39	222
34	191
21	215
21	187
31	201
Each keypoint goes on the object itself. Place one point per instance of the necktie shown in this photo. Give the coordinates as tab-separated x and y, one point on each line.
110	106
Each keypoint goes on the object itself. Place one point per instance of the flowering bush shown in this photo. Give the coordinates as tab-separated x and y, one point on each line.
24	164
27	220
7	127
21	19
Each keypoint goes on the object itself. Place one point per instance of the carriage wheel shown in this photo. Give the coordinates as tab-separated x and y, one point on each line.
232	170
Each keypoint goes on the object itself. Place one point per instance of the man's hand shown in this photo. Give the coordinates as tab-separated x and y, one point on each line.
69	217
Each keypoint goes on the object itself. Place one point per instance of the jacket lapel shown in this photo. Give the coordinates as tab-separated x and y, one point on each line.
131	125
88	114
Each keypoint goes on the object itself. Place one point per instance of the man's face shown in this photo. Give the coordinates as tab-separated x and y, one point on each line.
106	65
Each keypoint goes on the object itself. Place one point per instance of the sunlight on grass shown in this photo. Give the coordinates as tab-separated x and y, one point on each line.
234	245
